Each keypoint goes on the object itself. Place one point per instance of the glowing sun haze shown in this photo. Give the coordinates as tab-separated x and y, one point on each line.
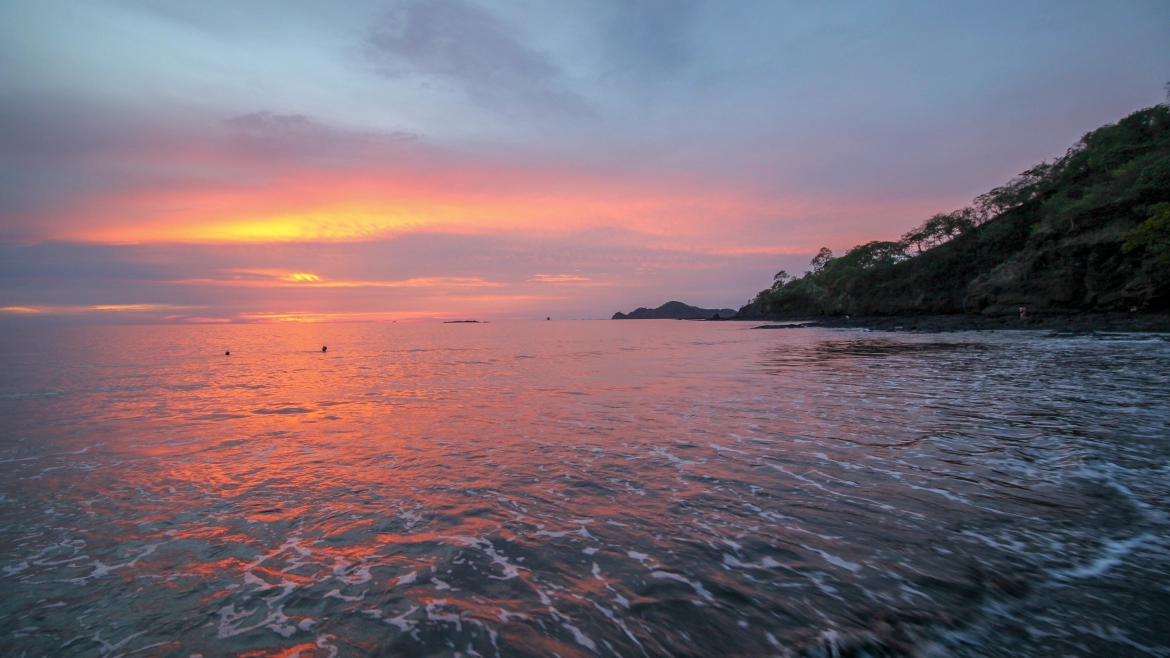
305	161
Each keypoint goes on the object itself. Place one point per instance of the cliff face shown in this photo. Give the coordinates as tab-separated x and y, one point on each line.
675	311
1089	232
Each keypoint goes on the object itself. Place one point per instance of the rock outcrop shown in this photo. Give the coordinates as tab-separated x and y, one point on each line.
676	311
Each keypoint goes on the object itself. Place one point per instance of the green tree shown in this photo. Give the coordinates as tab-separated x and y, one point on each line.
873	254
821	259
1153	235
940	228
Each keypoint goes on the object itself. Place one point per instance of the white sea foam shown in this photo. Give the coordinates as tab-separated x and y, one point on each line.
405	625
1114	554
581	638
336	594
698	587
833	559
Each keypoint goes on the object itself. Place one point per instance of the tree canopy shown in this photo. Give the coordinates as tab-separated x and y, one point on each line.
1087	231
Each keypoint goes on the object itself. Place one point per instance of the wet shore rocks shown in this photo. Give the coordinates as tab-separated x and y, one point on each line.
1071	323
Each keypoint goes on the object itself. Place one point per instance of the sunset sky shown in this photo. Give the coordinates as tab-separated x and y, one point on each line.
273	160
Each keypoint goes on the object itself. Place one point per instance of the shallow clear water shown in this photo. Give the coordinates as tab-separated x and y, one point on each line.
647	488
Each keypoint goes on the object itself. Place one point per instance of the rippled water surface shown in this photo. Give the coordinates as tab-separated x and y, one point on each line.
647	488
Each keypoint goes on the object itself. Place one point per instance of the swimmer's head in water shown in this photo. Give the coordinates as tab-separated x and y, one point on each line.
323	348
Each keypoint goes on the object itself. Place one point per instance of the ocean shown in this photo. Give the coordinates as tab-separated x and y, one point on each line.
591	488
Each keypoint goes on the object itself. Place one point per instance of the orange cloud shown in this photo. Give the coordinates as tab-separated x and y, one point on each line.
366	204
558	278
67	309
302	280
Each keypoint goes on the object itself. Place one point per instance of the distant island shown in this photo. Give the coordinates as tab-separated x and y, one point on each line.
1087	234
676	311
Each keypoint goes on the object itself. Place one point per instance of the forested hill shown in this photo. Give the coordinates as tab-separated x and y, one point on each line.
675	311
1088	232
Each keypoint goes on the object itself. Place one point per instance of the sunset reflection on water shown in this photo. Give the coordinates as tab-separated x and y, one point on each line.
577	488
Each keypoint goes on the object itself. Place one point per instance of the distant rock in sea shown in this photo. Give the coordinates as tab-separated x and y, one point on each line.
675	311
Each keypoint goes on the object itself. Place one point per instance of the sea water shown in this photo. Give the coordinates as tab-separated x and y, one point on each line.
638	488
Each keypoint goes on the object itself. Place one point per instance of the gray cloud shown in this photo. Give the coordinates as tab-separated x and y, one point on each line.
53	148
56	152
267	133
466	45
649	37
267	123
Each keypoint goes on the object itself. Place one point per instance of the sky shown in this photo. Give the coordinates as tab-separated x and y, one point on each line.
279	160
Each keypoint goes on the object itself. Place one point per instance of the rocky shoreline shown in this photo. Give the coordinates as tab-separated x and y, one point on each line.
1078	323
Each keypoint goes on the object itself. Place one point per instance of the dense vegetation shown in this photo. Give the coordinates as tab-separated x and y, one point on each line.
1089	231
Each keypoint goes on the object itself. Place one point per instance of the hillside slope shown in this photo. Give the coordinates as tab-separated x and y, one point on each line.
674	311
1089	232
